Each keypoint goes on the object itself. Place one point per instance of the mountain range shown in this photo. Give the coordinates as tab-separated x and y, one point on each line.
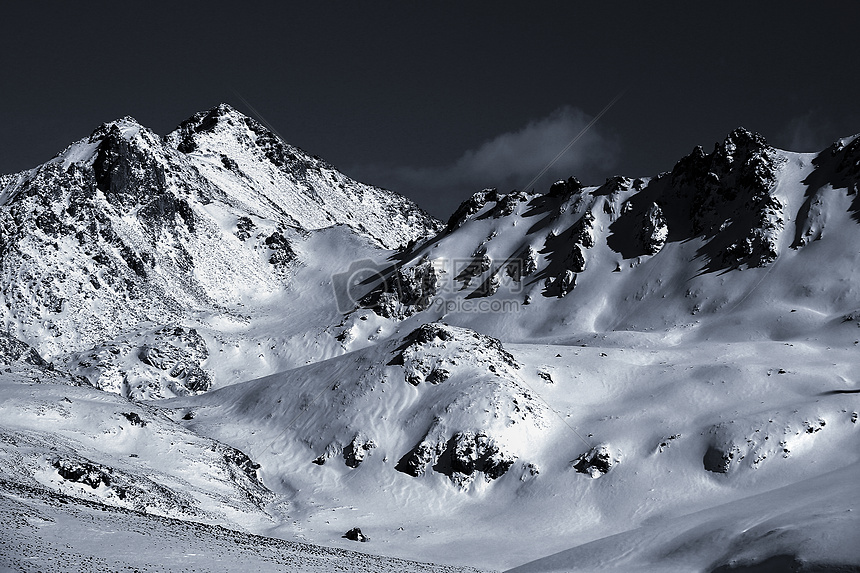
214	329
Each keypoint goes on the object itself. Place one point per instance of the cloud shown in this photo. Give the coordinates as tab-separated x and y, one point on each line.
808	132
521	155
508	161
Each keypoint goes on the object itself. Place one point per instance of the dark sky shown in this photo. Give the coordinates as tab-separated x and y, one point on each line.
437	100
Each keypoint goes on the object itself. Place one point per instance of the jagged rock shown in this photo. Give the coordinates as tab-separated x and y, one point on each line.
417	285
717	460
523	265
475	266
437	376
837	173
415	462
731	193
163	357
355	534
132	490
237	461
404	292
471	206
126	173
565	188
12	350
281	252
425	356
582	231
614	185
507	204
134	418
595	462
470	452
853	316
562	284
460	457
574	263
654	230
244	227
167	364
83	472
355	452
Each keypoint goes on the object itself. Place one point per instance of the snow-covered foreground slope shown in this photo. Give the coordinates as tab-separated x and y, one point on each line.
48	532
97	446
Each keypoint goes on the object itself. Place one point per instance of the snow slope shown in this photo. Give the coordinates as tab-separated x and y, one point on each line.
807	526
685	426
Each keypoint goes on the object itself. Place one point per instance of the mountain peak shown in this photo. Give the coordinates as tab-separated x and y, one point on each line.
225	121
281	181
124	127
740	142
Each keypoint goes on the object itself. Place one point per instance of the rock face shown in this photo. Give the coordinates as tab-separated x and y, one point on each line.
430	352
596	462
568	254
141	493
404	292
565	188
717	460
654	230
161	363
471	206
726	197
355	452
731	192
13	350
470	452
355	534
835	179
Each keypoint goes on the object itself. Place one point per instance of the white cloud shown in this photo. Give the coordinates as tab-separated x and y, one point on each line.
808	132
507	161
521	155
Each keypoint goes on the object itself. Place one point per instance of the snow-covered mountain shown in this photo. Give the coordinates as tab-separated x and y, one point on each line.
126	227
650	374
